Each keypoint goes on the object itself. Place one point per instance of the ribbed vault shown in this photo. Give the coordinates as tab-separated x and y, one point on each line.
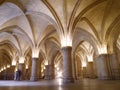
90	26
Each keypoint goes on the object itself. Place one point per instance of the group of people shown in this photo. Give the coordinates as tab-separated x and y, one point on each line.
18	75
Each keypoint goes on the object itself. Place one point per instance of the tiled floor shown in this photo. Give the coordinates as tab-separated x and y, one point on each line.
86	84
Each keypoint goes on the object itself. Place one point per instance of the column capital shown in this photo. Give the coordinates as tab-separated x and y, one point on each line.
34	58
35	52
90	62
108	54
67	48
21	59
20	63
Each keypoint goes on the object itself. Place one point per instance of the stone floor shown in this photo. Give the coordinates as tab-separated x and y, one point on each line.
85	84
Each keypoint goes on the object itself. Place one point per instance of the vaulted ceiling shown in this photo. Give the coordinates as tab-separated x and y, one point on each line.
26	24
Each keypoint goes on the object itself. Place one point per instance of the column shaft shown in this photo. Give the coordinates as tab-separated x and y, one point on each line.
102	67
67	64
107	67
49	72
20	69
90	70
115	67
12	72
34	70
74	69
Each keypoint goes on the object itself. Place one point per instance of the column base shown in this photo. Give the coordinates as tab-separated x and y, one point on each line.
104	78
75	77
68	80
108	78
48	77
33	79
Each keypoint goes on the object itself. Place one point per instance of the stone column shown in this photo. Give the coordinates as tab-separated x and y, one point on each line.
12	72
39	72
107	67
8	73
46	72
102	67
0	75
67	64
20	67
5	74
84	72
49	72
74	69
34	76
90	70
114	66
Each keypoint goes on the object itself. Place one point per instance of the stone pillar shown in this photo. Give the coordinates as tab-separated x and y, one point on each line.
5	74
114	66
12	72
8	73
107	67
90	70
67	64
74	69
84	72
34	76
49	72
46	72
102	67
39	72
20	67
0	75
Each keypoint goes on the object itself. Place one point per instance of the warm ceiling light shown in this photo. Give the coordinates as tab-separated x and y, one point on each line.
1	69
42	70
57	69
4	68
102	49
44	67
8	66
26	67
46	62
55	66
90	58
35	52
13	62
84	64
21	60
66	41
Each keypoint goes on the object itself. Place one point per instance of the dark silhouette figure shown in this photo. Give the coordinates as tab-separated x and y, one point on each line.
16	75
19	74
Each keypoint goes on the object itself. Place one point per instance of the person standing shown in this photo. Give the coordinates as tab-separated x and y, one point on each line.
16	76
19	75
